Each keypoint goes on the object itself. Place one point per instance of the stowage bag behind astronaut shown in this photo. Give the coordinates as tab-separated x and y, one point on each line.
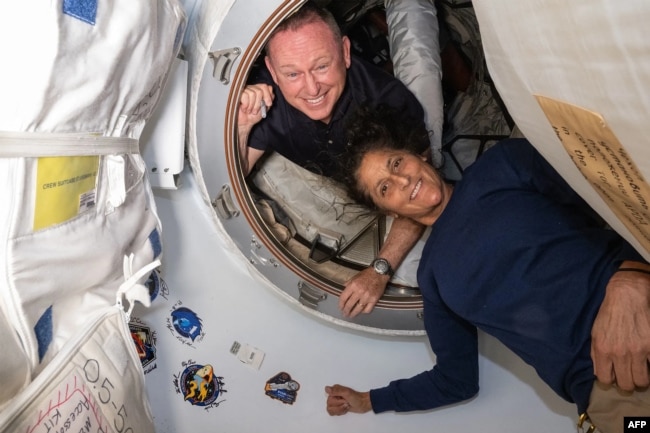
79	80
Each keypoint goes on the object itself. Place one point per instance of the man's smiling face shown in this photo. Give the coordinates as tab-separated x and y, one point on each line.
309	65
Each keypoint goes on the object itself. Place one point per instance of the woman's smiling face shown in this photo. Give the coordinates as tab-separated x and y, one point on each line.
401	183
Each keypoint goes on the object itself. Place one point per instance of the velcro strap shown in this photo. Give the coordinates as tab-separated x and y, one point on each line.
39	144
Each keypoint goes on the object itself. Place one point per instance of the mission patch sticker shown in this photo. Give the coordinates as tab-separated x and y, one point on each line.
282	387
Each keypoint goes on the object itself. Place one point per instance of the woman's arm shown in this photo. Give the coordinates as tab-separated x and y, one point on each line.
454	378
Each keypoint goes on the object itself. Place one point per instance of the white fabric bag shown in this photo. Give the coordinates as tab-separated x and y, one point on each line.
94	384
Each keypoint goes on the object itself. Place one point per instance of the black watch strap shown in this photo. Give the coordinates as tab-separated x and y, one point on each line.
382	267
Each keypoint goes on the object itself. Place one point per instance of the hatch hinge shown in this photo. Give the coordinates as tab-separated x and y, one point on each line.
310	296
223	61
224	204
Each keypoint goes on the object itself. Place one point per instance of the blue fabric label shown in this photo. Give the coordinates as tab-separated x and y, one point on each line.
85	10
156	245
43	331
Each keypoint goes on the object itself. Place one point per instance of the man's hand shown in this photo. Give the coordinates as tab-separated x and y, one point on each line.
362	292
253	98
250	104
341	400
620	336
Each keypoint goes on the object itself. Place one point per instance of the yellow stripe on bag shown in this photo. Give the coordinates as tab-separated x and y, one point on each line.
66	186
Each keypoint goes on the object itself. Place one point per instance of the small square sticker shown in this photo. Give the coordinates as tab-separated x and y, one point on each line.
249	355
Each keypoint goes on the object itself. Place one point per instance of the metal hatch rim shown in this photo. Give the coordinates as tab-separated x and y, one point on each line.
244	199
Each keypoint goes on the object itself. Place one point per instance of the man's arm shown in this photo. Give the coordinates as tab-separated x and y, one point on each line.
620	336
254	102
364	290
249	155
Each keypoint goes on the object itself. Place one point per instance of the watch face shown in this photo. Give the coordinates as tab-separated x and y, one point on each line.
381	266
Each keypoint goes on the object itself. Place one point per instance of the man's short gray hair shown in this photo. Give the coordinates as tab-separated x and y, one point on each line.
309	13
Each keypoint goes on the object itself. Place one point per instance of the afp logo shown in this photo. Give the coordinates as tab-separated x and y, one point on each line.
636	424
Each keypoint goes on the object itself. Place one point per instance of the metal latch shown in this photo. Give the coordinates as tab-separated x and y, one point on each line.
224	204
310	296
223	61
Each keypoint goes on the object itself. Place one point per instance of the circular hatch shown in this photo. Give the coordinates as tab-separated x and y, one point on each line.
273	228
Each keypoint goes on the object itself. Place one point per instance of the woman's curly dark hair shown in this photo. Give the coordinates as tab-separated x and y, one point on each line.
376	128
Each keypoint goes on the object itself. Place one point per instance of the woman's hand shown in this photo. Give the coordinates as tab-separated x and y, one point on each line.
341	400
